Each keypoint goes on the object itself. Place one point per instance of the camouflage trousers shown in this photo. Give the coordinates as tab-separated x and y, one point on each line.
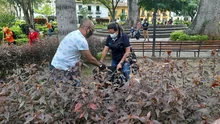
72	76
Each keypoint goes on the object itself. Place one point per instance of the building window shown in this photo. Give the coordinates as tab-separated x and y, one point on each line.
97	8
80	7
80	18
123	11
98	17
142	13
90	17
89	8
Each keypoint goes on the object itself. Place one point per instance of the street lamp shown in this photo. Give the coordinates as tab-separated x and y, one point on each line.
154	32
32	19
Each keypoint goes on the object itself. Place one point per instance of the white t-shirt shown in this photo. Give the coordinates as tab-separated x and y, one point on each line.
68	52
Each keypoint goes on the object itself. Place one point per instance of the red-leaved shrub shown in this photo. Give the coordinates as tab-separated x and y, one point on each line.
175	92
17	56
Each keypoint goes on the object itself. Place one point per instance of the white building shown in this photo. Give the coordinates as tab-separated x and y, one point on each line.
95	10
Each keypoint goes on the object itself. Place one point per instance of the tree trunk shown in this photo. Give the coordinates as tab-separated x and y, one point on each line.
207	19
113	15
25	5
113	11
31	13
66	17
133	13
16	11
19	12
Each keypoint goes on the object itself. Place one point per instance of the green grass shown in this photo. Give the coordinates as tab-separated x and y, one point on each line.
98	26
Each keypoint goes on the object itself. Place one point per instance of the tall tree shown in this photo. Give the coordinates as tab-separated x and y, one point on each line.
207	19
133	12
66	17
27	8
109	4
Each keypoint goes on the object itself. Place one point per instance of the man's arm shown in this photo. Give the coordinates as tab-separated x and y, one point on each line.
87	54
104	52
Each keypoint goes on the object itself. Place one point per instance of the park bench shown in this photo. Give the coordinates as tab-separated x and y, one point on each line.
178	46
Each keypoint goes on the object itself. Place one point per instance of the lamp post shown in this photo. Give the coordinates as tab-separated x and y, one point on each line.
32	19
154	32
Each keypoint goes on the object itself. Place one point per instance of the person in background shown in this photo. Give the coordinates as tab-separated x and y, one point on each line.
138	26
170	21
33	36
119	44
132	32
50	29
5	29
145	30
118	20
70	49
9	36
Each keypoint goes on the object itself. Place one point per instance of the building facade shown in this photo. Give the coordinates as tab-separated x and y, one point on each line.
94	10
122	14
121	11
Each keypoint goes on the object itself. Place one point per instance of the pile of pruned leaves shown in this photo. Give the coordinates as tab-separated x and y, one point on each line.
171	92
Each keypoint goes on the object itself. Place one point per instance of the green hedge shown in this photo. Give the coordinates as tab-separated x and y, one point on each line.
181	36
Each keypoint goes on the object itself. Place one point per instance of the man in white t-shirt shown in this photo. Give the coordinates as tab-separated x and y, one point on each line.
73	46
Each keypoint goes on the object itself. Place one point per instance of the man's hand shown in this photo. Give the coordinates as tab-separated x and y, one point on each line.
102	66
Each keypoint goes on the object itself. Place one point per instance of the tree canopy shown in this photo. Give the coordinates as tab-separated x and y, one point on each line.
44	9
163	5
191	9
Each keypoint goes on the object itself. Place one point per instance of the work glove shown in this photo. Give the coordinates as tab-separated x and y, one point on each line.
102	66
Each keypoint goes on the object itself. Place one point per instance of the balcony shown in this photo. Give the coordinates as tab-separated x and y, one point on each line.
98	12
90	12
124	14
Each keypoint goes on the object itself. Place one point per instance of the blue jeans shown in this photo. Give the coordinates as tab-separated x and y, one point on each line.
50	31
125	68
